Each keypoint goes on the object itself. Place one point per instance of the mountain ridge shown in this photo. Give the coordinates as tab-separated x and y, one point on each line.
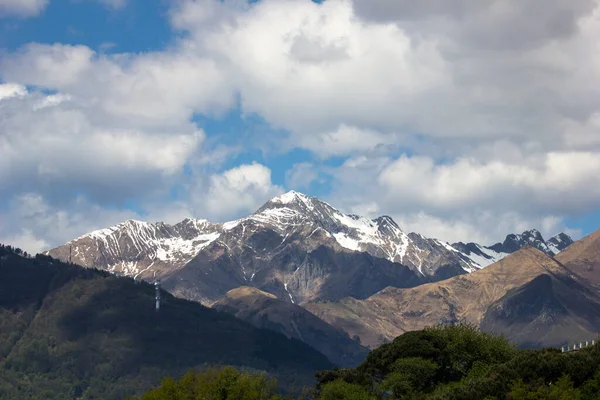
142	249
466	298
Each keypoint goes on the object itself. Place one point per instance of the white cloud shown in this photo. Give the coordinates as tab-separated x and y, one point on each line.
327	71
313	67
34	225
554	183
301	175
150	89
490	99
57	66
481	227
25	240
22	8
235	192
50	142
345	140
469	199
9	90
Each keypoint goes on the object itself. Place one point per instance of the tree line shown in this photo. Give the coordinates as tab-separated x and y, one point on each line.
446	362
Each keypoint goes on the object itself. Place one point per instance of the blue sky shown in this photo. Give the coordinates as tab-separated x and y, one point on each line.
161	110
135	27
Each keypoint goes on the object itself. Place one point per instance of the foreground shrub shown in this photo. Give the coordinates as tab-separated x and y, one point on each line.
216	384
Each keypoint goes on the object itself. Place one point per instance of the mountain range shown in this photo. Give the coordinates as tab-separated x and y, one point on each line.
295	247
343	283
532	298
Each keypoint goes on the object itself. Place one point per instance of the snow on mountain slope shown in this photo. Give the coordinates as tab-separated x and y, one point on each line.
559	242
290	225
483	256
137	248
381	237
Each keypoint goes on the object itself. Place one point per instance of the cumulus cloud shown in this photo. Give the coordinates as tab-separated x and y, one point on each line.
470	200
507	23
480	226
52	142
311	67
321	70
22	8
34	225
161	88
301	175
490	102
9	90
344	141
234	192
556	183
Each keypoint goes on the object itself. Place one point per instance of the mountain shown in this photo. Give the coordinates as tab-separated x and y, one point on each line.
559	243
295	247
280	248
544	311
531	297
583	258
483	256
264	310
70	332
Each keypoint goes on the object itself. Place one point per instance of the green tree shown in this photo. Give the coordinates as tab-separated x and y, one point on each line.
341	390
591	388
562	389
409	375
216	384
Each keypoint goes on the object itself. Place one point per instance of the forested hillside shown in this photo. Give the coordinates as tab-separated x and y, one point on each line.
67	332
441	363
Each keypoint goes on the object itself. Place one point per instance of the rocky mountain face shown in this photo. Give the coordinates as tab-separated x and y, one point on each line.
139	249
533	238
545	311
486	255
529	296
583	258
266	311
301	251
295	247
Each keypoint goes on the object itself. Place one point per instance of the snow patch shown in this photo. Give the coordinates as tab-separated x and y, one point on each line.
288	292
552	247
490	257
347	242
173	248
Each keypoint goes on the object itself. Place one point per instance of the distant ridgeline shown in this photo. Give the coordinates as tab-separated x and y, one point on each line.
67	332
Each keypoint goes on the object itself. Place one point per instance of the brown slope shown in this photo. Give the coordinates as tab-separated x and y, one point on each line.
583	257
547	311
393	311
266	311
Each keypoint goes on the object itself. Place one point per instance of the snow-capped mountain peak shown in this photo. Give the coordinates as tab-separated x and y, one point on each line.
291	197
289	221
485	255
380	237
559	242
